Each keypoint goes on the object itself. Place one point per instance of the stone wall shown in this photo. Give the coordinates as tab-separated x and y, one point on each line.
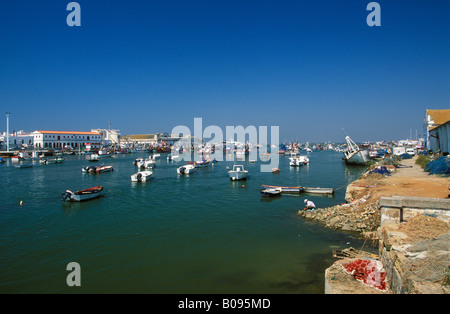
401	262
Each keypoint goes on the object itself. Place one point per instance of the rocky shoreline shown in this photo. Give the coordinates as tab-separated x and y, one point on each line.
360	213
347	217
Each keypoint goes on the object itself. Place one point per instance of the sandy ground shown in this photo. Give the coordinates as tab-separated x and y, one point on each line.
409	180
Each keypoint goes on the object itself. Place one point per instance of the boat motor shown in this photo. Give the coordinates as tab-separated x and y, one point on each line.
66	195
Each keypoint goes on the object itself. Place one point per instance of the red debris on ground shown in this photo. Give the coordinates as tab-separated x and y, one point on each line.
368	271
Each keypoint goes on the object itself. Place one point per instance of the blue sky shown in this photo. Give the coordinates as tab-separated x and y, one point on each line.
309	67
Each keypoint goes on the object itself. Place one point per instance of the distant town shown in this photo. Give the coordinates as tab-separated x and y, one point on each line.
436	128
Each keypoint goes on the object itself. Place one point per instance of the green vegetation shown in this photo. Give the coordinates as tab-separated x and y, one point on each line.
423	160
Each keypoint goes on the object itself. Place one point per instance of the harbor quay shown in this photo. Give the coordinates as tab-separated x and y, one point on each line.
406	213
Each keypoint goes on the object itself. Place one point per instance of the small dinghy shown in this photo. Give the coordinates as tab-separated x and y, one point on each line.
271	192
83	195
141	176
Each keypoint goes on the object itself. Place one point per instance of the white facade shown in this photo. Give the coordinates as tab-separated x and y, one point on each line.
64	139
16	140
113	136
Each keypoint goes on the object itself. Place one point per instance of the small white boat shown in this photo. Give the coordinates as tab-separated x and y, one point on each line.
298	161
149	163
141	176
285	189
83	195
318	190
238	173
103	153
47	161
97	169
186	169
271	192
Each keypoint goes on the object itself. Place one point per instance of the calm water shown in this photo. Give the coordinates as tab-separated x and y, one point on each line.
196	234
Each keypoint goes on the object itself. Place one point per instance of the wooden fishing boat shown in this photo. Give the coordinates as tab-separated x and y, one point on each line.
318	190
285	189
83	195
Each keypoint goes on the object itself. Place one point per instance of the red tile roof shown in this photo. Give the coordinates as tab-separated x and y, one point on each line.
68	132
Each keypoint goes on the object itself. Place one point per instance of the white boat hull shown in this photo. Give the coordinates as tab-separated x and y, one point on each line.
84	195
361	158
238	175
187	169
141	176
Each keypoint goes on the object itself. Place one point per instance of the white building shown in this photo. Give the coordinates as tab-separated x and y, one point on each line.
110	136
65	139
17	140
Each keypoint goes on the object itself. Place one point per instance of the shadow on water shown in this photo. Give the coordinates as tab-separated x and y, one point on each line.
309	277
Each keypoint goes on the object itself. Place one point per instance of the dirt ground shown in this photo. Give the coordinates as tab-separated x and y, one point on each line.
409	180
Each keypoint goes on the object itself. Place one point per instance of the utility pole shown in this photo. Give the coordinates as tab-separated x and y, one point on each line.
7	131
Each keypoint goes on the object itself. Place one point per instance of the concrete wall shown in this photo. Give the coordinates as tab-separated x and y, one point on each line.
397	209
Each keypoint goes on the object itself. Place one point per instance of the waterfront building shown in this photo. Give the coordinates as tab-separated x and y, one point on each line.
437	129
140	139
65	139
110	137
19	139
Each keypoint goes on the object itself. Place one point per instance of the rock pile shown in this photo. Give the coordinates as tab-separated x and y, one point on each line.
357	216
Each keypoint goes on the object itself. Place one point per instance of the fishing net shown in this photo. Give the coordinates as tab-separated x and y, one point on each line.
370	272
439	166
429	255
405	156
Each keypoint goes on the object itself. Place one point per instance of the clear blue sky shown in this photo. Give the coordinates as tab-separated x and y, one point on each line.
309	67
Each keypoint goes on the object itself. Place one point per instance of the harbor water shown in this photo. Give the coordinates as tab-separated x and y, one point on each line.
201	233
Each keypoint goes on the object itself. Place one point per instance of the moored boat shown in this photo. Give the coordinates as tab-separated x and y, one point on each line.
202	163
47	161
271	191
354	155
89	169
83	195
186	169
104	169
298	161
318	190
238	173
285	189
141	176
